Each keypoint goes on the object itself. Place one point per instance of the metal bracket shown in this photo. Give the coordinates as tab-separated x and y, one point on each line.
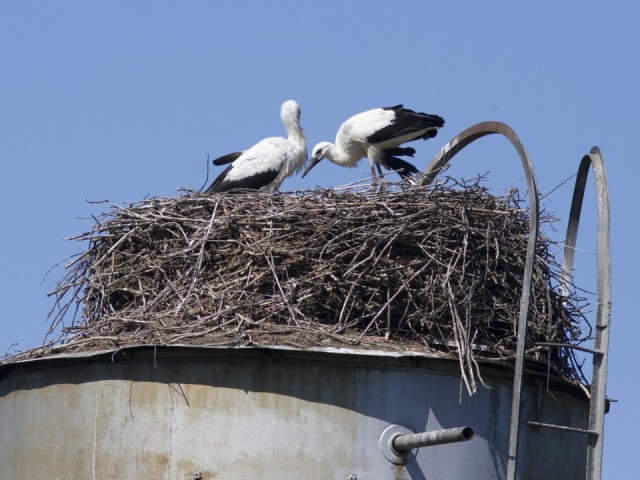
386	445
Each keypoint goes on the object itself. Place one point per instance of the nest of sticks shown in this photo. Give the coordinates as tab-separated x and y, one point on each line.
434	269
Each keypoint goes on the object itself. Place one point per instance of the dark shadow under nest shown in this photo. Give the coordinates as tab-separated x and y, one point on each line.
434	269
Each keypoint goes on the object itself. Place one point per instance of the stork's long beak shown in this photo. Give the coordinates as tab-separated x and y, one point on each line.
314	162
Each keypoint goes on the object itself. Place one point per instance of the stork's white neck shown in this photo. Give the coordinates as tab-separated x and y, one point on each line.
295	133
341	157
290	116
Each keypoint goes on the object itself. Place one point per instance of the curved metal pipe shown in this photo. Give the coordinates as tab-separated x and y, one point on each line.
603	295
437	164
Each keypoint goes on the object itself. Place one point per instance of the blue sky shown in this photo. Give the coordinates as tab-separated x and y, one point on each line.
121	100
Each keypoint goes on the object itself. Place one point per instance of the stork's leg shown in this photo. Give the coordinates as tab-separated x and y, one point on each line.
376	155
383	182
374	179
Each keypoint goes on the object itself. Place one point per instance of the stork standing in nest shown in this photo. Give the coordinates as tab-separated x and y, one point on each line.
265	165
377	134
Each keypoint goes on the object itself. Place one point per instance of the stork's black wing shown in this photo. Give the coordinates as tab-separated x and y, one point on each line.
406	122
401	151
228	158
253	182
401	167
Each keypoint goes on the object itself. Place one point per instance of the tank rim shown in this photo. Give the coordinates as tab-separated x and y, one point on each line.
380	358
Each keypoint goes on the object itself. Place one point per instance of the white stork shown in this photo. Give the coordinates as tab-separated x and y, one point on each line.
378	134
265	165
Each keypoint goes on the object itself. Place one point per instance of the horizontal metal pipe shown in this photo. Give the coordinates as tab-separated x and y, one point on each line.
562	427
568	345
402	443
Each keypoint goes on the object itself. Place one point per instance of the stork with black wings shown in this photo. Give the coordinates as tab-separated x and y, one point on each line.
377	134
265	165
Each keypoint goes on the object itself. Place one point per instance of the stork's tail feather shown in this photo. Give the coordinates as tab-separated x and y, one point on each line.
433	122
401	151
430	134
228	158
405	169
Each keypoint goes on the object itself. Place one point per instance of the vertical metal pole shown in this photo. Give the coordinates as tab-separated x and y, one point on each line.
603	318
436	165
523	318
598	400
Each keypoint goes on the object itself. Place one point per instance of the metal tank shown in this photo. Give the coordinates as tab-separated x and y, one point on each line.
217	413
194	413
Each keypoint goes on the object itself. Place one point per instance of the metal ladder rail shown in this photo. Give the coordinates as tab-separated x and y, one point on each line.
437	164
598	401
597	404
603	306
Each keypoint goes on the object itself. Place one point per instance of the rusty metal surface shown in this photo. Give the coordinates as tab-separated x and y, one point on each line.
178	412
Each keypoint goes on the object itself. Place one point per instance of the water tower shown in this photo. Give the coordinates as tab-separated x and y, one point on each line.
190	411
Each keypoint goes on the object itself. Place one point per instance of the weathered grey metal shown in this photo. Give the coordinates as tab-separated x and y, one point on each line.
603	303
400	445
186	412
437	164
603	296
428	439
386	445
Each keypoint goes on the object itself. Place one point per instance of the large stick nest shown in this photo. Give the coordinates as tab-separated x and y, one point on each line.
436	270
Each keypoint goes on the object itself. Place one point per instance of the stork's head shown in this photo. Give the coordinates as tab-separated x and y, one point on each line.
290	113
320	151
